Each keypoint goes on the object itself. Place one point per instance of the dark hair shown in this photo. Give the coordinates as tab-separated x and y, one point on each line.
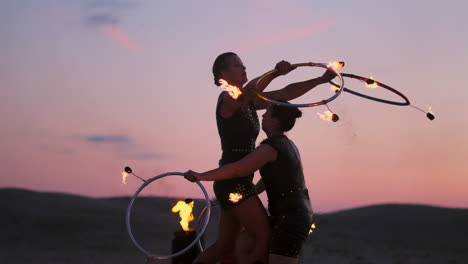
286	114
188	200
220	64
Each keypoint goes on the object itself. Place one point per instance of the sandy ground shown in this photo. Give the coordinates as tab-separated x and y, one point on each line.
59	228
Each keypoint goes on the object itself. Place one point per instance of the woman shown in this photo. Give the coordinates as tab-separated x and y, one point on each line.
280	167
238	128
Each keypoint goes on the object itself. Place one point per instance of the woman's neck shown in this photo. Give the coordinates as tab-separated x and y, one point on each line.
274	133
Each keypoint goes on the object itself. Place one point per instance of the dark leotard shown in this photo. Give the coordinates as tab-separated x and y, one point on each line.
288	198
238	135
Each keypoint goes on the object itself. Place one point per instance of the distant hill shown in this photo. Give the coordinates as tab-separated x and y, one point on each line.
43	227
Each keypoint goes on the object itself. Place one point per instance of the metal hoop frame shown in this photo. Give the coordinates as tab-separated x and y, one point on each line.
200	234
364	79
310	64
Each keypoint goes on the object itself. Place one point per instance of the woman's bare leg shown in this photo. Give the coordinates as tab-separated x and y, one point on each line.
252	215
228	229
244	246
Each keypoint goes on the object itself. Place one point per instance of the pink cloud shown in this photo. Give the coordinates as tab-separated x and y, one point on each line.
118	36
294	33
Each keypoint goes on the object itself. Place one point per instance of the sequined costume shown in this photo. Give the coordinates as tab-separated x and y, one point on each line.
288	198
238	135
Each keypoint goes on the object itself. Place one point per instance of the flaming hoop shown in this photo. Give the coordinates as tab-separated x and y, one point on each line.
206	211
332	66
371	83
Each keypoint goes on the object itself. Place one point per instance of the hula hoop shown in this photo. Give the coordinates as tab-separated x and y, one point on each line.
310	64
200	234
364	79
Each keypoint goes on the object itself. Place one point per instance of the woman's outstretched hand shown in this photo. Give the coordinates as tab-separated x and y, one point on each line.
284	67
191	175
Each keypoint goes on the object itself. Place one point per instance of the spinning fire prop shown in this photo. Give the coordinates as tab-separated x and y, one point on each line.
235	92
185	211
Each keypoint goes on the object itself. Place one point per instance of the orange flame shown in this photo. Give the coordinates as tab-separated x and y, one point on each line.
327	115
185	213
336	64
233	91
235	197
124	177
372	84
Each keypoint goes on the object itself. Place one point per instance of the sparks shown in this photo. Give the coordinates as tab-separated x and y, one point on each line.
312	227
233	90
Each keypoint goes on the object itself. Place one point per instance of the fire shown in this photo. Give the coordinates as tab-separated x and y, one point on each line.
233	91
185	212
336	64
429	109
327	115
370	83
334	88
312	227
124	177
235	197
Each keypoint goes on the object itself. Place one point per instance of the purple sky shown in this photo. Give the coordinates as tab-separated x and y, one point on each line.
90	86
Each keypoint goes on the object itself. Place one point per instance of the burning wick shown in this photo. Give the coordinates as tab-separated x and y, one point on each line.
127	171
235	197
329	116
185	213
370	83
429	114
336	64
233	90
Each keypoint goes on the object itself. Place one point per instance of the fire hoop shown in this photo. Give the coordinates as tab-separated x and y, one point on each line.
310	64
206	210
370	81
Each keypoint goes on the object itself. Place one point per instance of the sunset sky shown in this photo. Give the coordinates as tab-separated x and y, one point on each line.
90	86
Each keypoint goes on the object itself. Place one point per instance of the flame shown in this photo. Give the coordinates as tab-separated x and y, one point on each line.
327	115
233	91
429	109
334	88
235	197
373	84
124	177
185	213
336	64
312	227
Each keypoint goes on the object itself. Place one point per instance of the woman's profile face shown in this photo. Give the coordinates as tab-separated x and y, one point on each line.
235	71
268	121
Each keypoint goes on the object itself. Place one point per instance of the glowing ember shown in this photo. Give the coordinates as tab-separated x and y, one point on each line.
312	227
124	177
370	83
336	64
233	91
327	115
185	212
235	197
